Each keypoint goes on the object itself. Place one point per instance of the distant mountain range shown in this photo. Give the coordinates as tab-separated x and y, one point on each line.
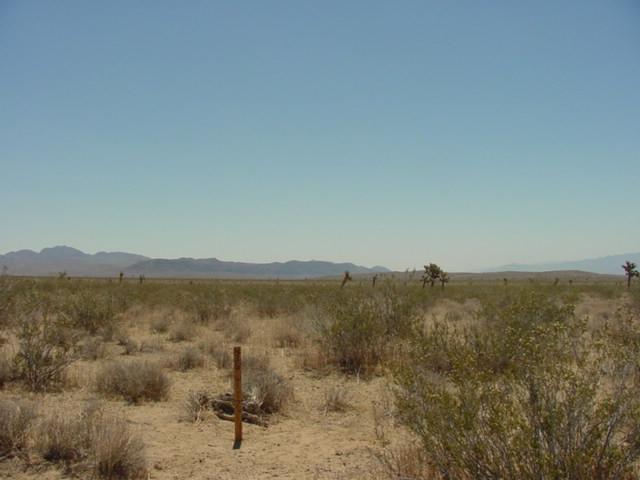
51	261
611	265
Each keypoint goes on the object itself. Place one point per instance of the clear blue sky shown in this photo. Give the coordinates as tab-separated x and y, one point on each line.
467	133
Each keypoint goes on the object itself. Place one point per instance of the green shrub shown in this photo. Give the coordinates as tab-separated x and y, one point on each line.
365	329
47	346
527	393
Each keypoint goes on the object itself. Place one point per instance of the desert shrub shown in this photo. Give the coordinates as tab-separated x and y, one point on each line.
188	359
218	351
237	330
160	324
89	310
151	345
128	344
6	368
286	335
336	399
116	452
63	438
16	417
47	346
209	307
93	348
364	329
7	292
182	331
263	385
194	406
526	393
133	380
92	441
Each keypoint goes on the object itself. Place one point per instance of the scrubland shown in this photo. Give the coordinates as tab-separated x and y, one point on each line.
518	380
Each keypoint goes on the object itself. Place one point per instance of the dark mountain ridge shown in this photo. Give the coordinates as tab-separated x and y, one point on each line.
51	261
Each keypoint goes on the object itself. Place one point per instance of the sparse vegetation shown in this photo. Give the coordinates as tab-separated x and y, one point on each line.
133	380
499	364
16	417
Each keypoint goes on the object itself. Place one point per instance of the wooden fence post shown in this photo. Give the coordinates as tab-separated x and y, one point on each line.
237	391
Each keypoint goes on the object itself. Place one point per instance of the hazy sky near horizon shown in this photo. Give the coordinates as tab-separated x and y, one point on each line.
472	134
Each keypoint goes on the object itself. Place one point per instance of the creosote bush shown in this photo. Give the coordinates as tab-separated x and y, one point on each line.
133	380
364	329
47	346
529	392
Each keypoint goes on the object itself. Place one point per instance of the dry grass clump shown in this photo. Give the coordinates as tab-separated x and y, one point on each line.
286	335
263	385
160	324
237	330
218	351
194	406
151	345
182	331
62	438
128	344
16	417
116	452
133	380
188	359
6	368
93	348
336	399
92	441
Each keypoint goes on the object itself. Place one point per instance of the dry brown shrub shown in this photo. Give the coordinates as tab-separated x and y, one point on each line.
92	441
336	399
262	384
93	348
116	452
183	331
286	334
16	417
217	350
7	371
237	330
188	359
194	406
133	380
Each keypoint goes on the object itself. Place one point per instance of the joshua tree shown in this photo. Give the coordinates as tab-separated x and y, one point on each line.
141	279
444	278
505	281
62	275
431	273
346	278
374	280
556	282
121	276
630	271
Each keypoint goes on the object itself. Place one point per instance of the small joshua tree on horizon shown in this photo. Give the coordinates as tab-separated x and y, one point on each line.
630	271
431	273
374	280
346	278
121	275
